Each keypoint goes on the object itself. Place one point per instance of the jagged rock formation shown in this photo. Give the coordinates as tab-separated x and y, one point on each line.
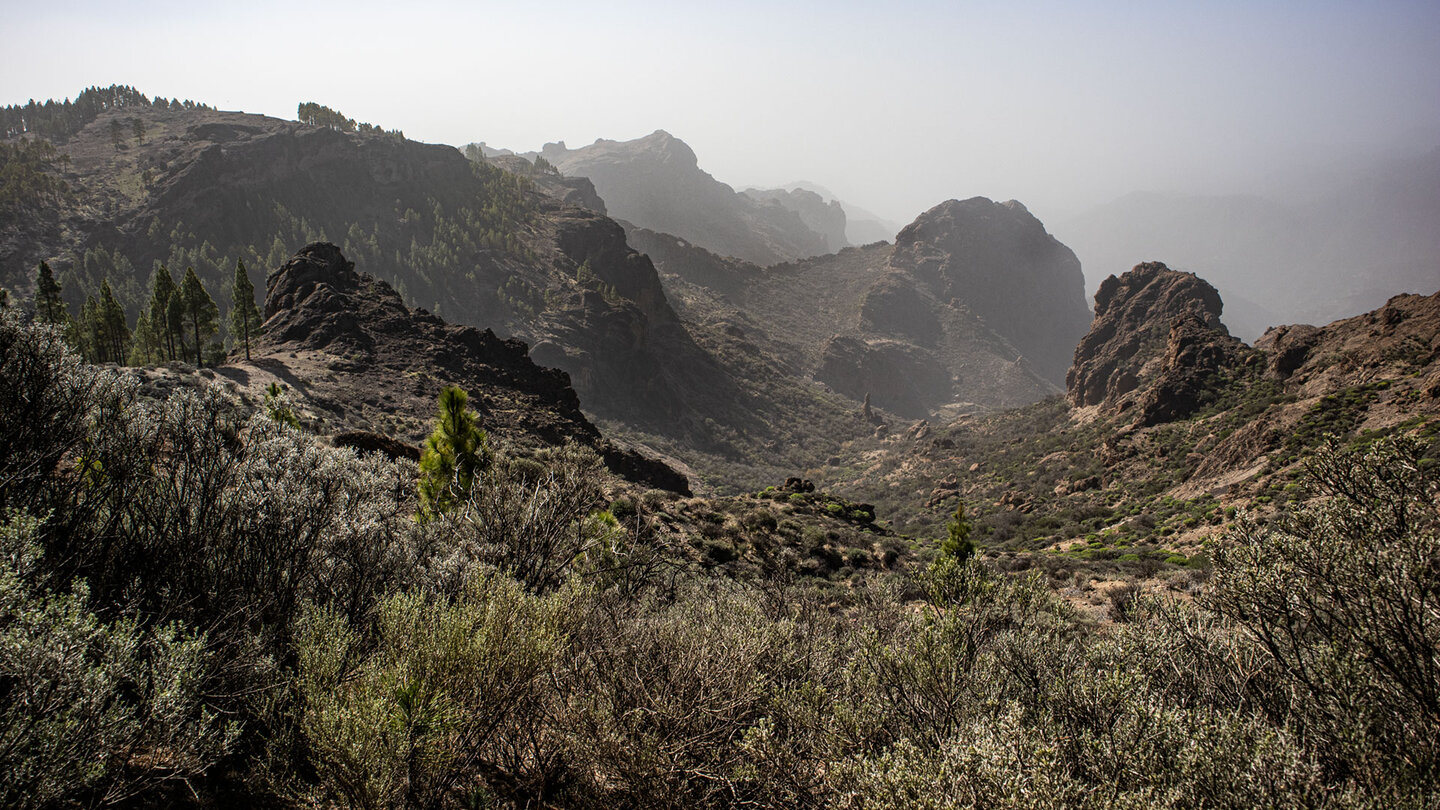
348	344
968	306
824	218
1156	342
656	183
1400	339
1170	427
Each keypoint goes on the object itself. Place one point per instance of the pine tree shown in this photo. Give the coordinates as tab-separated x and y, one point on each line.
113	332
201	314
244	315
145	344
958	545
175	323
90	330
49	306
162	287
277	405
455	452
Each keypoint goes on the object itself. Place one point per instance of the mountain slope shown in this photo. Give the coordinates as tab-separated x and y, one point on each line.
481	246
345	344
1170	427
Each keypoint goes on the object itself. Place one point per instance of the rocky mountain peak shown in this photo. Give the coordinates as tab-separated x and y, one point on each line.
1156	342
318	269
659	148
1151	290
670	147
997	259
656	182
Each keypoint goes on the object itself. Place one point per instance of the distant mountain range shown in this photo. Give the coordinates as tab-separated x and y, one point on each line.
656	182
1330	255
861	226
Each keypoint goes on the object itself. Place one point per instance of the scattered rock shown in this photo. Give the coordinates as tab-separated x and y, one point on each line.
1018	501
1081	485
798	485
363	441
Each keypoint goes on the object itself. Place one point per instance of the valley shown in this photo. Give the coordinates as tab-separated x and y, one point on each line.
735	512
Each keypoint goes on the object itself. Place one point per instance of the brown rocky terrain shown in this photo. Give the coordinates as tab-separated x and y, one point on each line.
348	349
1155	344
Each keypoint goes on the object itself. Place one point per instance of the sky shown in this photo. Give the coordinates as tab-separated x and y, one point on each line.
893	106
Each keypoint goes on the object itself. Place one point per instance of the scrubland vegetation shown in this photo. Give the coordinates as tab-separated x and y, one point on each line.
201	606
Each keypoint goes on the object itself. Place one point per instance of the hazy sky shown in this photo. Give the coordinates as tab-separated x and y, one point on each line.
894	106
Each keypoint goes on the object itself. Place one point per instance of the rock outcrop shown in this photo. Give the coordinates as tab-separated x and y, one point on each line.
998	261
1401	338
908	380
349	344
1156	343
578	191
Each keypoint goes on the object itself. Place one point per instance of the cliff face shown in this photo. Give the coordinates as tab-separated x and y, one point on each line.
349	344
1156	342
998	261
656	183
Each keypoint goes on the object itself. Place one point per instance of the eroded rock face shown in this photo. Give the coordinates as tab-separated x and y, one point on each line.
893	306
908	377
1156	343
1288	347
351	343
1402	337
998	261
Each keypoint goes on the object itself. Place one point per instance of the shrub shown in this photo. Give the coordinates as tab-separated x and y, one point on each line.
538	530
94	712
1334	593
412	723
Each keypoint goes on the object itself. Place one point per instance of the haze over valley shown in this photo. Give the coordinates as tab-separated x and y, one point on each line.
762	405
